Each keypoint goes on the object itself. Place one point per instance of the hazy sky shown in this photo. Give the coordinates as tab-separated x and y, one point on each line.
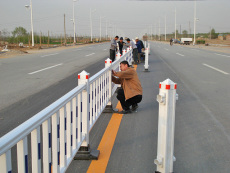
131	18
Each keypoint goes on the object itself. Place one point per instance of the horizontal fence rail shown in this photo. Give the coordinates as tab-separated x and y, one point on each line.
49	140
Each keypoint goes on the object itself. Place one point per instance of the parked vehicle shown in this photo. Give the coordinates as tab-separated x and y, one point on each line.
186	41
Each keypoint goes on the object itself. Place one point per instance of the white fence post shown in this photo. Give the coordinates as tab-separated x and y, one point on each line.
83	78
84	152
149	48
166	124
146	59
108	108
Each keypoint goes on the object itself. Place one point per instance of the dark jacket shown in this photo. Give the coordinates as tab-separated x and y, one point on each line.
138	44
142	45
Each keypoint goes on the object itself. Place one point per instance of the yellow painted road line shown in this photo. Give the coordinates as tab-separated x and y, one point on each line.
106	145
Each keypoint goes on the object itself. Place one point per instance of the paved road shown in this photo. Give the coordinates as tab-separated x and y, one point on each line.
202	133
30	83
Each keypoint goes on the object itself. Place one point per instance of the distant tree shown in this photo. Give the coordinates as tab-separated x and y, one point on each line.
19	31
185	33
213	34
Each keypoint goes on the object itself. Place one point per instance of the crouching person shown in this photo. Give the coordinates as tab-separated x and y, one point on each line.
131	92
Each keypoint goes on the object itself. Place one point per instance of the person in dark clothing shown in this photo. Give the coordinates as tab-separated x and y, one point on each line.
171	41
113	48
142	45
121	44
139	48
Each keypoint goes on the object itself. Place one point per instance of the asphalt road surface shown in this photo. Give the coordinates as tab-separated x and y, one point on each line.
202	131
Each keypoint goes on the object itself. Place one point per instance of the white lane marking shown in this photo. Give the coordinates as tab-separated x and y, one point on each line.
195	49
49	55
166	49
105	49
216	69
90	54
77	50
222	55
45	69
179	54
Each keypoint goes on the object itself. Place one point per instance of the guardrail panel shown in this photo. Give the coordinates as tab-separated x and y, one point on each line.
22	155
55	137
74	123
62	137
5	162
71	118
68	130
46	131
36	150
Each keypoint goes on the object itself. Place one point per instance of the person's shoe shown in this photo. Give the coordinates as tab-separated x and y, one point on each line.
134	107
122	112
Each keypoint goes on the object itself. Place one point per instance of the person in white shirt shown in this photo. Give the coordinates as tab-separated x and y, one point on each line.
135	51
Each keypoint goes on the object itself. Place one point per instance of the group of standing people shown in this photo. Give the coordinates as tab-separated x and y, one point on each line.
137	48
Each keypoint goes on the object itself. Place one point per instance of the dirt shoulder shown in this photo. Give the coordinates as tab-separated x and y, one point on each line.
213	45
17	51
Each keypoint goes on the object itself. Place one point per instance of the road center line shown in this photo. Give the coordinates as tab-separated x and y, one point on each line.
107	142
222	55
179	54
49	55
216	69
90	54
45	69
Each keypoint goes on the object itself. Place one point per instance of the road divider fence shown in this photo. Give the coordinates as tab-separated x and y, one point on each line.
50	140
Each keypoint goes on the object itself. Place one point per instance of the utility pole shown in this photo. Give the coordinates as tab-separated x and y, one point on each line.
40	39
165	27
32	30
151	32
156	31
210	33
194	23
64	31
175	23
106	32
48	39
74	35
159	30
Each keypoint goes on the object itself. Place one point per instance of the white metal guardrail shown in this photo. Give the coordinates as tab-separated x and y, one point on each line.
57	132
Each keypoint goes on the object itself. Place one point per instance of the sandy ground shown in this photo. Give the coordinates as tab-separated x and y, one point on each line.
24	51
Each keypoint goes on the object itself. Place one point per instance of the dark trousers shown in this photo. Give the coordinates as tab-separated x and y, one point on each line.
127	103
112	55
135	55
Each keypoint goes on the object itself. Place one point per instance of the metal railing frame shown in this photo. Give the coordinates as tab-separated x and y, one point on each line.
63	130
